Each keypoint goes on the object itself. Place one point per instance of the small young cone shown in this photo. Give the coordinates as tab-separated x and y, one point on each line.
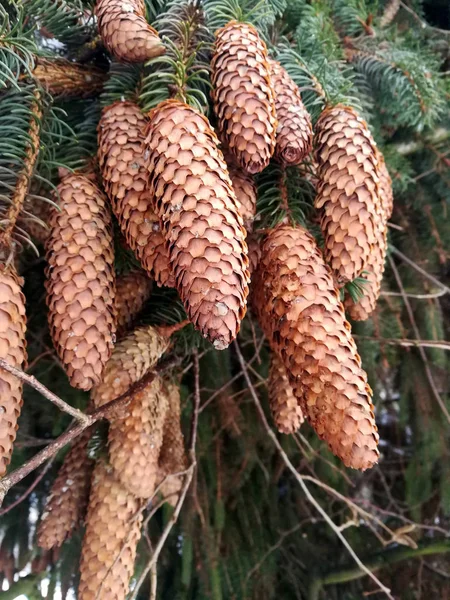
348	195
245	190
196	204
125	176
133	357
243	95
135	440
65	79
81	280
67	501
13	325
172	458
125	31
132	291
286	412
301	315
113	524
373	272
294	131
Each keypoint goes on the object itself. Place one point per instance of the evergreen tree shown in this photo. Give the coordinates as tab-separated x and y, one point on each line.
196	196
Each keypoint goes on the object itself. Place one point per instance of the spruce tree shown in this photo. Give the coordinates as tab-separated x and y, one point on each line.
224	299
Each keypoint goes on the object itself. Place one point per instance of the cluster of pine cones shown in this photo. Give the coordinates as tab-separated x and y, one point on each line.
185	203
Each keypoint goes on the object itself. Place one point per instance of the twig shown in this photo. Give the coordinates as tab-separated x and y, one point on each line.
406	343
415	266
33	382
29	490
299	478
430	296
421	22
422	352
108	411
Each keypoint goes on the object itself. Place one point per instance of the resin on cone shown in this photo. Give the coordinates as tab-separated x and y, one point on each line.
173	457
68	497
125	177
135	440
125	32
286	412
113	529
302	317
349	193
245	190
197	207
243	96
13	326
81	280
132	291
133	357
294	130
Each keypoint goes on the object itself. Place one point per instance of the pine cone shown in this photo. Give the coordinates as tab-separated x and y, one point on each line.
196	204
243	95
373	272
348	194
132	291
67	501
65	79
294	131
113	524
286	412
254	252
172	458
80	281
121	157
125	31
245	190
12	349
38	208
301	315
132	358
135	440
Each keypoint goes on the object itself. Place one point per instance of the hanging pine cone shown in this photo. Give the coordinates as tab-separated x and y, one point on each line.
172	458
254	252
294	131
67	501
132	358
125	31
65	79
121	158
374	269
80	280
348	194
243	95
135	440
245	190
301	315
132	291
197	207
286	412
12	349
113	524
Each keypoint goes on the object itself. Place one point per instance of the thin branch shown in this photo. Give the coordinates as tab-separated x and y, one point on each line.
33	382
29	490
430	296
415	266
406	343
421	22
299	478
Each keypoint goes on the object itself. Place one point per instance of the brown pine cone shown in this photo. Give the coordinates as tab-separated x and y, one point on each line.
243	95
286	412
66	79
135	440
132	291
125	32
133	357
67	501
80	280
301	315
121	158
13	325
197	207
294	131
113	529
254	252
386	193
172	458
348	195
245	190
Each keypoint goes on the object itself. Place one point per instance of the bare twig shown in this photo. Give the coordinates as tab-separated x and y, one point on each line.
421	22
424	273
29	490
299	479
429	296
33	382
406	343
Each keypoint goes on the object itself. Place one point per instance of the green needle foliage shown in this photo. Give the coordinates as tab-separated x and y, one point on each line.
246	530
